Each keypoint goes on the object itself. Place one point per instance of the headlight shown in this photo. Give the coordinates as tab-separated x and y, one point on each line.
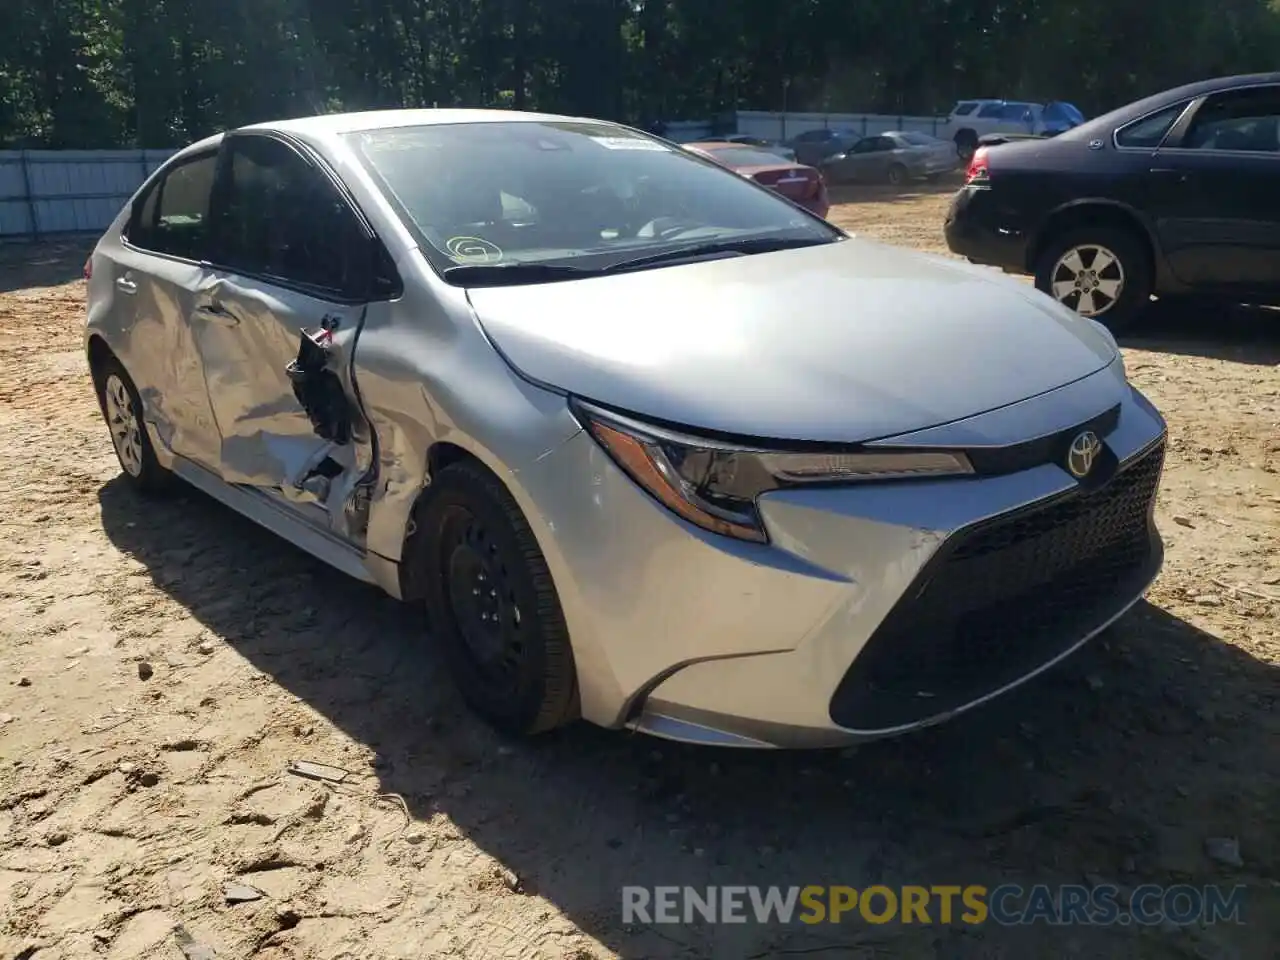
715	485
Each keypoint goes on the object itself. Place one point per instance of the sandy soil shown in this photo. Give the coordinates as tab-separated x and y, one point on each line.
126	803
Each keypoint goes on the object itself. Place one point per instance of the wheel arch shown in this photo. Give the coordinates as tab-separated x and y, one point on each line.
440	455
97	353
1098	212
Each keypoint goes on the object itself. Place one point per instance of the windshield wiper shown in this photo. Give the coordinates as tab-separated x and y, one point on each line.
695	251
498	274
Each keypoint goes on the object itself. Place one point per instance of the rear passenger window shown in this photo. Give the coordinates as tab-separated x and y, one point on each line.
174	215
992	110
1150	131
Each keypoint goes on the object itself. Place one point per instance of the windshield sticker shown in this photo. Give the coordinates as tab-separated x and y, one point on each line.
630	143
473	250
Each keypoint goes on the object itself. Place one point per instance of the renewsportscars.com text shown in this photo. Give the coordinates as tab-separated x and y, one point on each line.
1006	905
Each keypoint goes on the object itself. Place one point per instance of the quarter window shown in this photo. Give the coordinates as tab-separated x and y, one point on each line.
1148	132
173	217
1243	120
285	220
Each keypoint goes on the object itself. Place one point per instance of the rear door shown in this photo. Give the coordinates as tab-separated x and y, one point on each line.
293	256
160	265
1216	193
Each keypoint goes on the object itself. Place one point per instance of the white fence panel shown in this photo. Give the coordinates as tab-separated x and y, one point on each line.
784	126
54	192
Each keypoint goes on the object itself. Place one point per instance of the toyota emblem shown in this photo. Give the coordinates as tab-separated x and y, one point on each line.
1083	454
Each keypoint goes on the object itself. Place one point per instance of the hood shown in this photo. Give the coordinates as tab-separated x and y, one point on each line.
844	342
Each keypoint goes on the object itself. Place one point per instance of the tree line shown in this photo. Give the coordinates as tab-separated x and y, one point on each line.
160	73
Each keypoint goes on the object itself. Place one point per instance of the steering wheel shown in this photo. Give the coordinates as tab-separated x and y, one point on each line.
662	228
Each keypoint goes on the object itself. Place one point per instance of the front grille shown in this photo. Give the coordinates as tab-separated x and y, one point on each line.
1003	597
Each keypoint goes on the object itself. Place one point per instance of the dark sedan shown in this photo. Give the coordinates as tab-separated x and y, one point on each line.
1175	194
814	146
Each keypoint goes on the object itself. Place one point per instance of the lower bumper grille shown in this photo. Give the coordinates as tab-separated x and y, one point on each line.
1004	597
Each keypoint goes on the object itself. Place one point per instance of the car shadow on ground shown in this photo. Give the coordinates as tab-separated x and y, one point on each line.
1065	774
48	264
1235	332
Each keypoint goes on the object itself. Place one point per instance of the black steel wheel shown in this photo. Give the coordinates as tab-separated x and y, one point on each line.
493	605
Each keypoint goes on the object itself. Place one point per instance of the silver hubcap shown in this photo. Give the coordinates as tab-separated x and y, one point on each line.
126	431
1089	279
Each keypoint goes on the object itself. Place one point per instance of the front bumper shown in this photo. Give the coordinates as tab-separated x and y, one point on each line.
977	228
873	610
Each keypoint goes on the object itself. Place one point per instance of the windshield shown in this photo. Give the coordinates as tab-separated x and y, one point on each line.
566	192
742	157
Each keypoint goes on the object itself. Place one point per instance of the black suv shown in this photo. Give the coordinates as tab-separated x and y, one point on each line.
1175	194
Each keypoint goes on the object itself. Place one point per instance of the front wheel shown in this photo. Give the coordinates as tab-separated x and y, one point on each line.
1099	272
493	604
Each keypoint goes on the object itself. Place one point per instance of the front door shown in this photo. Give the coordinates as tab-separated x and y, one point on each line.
291	261
1216	192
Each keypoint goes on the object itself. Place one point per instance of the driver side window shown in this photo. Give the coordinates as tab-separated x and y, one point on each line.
283	219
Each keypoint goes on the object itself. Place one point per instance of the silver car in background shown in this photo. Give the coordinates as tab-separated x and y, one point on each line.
654	446
893	157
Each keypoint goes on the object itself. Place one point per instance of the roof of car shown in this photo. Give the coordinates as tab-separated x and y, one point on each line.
339	123
1215	84
1163	98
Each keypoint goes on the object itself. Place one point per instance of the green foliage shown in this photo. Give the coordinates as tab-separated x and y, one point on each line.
154	73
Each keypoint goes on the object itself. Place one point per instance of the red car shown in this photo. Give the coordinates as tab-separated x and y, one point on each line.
798	183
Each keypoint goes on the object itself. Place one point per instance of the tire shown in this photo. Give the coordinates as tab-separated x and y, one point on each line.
518	674
1134	294
122	412
966	143
897	174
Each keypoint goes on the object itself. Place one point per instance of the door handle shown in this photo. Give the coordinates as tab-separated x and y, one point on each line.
216	313
125	285
1170	172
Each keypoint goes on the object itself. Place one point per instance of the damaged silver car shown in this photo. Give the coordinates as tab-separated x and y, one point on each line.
654	446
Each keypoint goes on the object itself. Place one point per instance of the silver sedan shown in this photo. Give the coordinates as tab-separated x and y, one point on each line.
893	157
652	445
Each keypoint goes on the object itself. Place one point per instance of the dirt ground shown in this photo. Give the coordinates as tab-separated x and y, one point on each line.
126	803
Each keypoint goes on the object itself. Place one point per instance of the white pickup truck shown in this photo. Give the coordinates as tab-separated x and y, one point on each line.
971	119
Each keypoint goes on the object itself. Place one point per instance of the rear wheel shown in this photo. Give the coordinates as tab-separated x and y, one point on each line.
897	174
493	604
122	411
1099	272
